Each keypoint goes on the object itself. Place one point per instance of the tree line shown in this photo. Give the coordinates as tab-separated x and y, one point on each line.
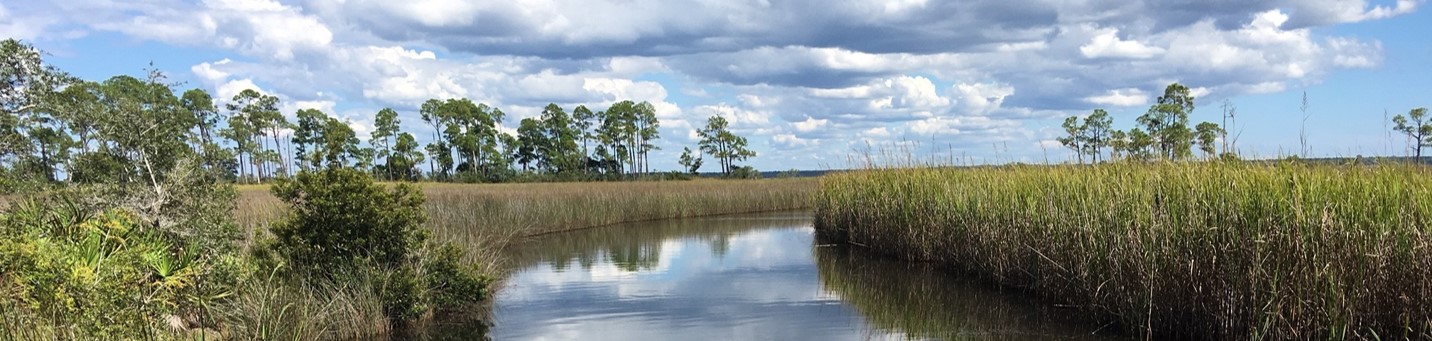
58	128
1163	132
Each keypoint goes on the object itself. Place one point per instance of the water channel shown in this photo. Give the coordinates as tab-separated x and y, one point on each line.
750	277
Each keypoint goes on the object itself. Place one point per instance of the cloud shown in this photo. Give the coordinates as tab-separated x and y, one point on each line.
232	88
897	93
261	28
581	29
24	27
1120	98
1108	45
981	98
876	133
1325	12
959	125
739	118
810	124
208	73
791	141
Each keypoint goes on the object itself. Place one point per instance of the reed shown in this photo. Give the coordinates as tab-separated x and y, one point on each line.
1183	250
271	308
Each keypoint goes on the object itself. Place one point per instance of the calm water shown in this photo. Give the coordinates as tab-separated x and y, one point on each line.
750	277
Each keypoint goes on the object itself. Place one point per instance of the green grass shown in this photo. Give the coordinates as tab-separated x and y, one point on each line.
1204	250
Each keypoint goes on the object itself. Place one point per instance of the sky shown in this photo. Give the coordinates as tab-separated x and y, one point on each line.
813	84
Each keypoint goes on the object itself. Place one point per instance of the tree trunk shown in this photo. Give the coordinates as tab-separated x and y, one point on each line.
278	149
243	173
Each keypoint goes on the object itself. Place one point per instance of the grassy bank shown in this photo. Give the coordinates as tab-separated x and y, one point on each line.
1201	250
486	218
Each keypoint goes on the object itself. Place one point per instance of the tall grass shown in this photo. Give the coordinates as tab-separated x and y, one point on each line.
271	308
1196	250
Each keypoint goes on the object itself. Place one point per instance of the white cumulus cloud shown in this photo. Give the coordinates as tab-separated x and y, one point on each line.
1108	45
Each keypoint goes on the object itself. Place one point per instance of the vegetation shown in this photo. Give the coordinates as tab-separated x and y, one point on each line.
1418	129
1163	132
689	162
141	236
1220	249
122	224
342	226
70	274
1089	138
56	129
726	147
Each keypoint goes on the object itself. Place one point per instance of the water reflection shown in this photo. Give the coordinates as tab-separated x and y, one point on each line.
735	278
742	278
919	300
637	247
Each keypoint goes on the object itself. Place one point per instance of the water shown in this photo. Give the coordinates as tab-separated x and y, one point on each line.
749	277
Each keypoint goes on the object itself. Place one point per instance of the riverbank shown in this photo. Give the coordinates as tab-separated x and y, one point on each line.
486	218
1217	250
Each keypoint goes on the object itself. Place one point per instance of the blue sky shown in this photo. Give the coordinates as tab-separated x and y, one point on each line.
810	83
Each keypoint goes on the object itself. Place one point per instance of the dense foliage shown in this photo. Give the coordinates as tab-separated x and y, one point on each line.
68	271
140	230
339	215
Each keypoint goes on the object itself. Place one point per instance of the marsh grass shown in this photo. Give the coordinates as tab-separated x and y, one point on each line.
273	308
1182	250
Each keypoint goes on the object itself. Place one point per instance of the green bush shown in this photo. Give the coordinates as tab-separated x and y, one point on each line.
342	225
338	216
744	172
450	284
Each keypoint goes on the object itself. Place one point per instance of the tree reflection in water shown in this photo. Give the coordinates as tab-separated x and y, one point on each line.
636	247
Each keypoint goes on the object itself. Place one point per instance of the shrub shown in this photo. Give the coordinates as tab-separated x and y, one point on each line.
450	283
341	215
744	172
344	226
